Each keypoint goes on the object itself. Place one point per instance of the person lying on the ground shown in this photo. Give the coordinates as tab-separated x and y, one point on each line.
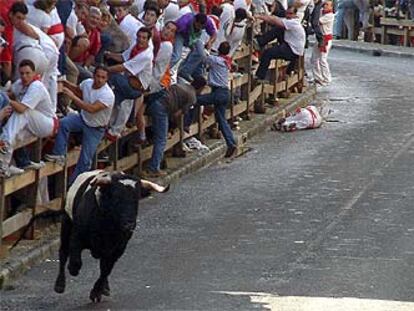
309	117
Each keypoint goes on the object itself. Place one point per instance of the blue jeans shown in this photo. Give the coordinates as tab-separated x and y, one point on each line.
159	124
192	65
106	41
122	89
91	137
343	5
4	99
219	97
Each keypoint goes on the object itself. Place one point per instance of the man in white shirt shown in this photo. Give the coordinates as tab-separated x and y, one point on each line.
128	23
95	99
32	43
130	79
33	113
290	49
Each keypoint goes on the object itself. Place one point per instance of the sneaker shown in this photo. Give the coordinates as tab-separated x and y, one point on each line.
13	170
58	159
34	165
256	45
231	152
4	147
153	174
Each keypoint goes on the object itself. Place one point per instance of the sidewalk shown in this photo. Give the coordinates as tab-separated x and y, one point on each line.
370	48
44	247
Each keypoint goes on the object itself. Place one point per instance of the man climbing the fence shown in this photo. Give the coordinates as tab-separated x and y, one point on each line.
218	80
95	100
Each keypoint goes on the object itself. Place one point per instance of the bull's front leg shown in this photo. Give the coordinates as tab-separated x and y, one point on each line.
101	286
65	232
75	258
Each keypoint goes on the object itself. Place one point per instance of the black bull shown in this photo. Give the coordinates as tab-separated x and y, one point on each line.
104	211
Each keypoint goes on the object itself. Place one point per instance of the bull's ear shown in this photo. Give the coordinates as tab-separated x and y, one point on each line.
146	184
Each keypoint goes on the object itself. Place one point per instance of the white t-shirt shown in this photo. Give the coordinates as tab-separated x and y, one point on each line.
105	95
171	12
326	21
130	26
74	24
58	37
35	96
38	17
140	5
294	35
185	10
47	43
140	65
160	65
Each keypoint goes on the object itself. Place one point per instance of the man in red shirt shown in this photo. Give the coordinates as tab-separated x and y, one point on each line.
6	55
87	58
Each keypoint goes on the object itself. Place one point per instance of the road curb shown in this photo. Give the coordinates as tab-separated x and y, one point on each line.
371	48
19	264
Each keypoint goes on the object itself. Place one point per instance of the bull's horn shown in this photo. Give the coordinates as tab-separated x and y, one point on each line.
151	185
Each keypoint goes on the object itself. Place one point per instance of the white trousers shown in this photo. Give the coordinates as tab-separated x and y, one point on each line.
120	116
46	65
320	65
36	55
21	126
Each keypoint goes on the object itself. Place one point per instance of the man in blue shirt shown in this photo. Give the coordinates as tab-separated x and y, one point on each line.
218	78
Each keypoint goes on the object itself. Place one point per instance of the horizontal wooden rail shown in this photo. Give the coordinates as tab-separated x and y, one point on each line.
30	179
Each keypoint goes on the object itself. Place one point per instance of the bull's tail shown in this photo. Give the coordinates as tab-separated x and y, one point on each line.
153	186
44	215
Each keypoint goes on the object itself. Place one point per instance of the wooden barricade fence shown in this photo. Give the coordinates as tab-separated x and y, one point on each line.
26	186
401	28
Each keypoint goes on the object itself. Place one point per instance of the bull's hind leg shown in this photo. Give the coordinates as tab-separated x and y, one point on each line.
65	232
101	286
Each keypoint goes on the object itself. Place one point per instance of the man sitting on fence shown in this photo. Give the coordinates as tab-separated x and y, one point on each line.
95	99
33	113
293	44
129	79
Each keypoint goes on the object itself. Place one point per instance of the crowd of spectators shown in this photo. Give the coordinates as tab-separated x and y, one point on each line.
92	67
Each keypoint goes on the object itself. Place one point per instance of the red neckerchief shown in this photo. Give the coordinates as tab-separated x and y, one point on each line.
136	50
326	11
228	60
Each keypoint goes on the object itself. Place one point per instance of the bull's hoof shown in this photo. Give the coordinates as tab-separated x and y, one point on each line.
96	295
106	291
60	286
74	268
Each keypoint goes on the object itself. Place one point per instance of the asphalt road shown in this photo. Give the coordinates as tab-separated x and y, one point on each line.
311	220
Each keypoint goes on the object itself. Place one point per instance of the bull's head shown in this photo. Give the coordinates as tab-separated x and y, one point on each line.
118	195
